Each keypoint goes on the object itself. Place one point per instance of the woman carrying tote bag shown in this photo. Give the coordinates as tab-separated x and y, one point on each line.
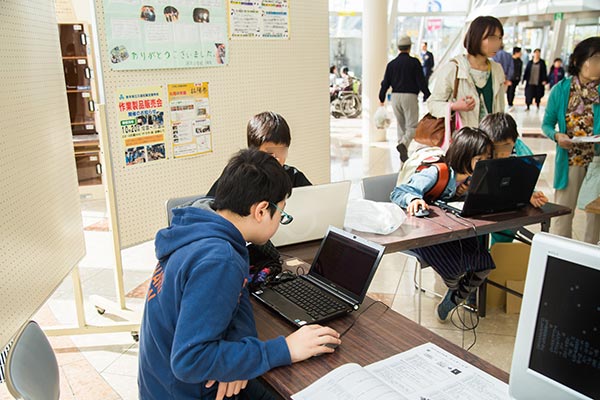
481	81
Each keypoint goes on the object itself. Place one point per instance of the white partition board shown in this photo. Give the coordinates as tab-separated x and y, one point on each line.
286	76
41	233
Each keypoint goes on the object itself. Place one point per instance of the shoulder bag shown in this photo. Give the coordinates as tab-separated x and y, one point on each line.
432	131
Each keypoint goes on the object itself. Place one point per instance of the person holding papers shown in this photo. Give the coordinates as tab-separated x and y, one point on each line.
574	105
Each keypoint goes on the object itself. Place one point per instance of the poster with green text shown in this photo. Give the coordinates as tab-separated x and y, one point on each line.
160	34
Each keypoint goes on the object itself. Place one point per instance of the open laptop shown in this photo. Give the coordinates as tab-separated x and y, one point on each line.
314	209
336	283
497	185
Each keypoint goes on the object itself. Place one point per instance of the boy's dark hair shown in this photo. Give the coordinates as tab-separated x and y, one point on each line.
537	50
516	50
466	144
557	59
267	127
499	127
345	70
480	29
585	49
332	68
251	176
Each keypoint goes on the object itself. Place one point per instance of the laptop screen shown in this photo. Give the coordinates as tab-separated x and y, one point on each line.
346	262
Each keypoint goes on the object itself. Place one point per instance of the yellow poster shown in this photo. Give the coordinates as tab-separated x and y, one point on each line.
190	119
141	120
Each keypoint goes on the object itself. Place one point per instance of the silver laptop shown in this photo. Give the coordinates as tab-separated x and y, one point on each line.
314	209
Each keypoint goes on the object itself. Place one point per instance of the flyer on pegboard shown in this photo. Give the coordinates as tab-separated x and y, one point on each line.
190	119
141	122
259	19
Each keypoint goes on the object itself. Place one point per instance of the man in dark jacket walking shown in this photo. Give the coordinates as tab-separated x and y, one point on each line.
427	62
405	75
516	76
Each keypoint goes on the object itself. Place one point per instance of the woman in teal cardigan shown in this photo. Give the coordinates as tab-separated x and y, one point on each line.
574	104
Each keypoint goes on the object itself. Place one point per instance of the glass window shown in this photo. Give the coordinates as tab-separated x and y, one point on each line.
433	6
346	5
437	32
341	26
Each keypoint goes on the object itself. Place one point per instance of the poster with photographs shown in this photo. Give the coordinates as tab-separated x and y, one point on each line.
141	119
190	119
260	19
166	34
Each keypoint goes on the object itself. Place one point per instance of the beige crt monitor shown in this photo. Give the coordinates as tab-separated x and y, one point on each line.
557	348
314	208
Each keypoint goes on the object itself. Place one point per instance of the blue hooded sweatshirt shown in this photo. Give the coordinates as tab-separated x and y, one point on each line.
198	323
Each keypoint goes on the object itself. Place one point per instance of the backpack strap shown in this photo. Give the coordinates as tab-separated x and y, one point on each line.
443	178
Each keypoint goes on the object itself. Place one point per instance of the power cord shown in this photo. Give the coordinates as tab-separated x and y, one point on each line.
362	312
463	323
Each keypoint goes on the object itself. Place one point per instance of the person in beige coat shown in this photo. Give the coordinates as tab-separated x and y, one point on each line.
481	80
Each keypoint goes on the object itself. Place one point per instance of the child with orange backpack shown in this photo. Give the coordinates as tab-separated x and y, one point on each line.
463	264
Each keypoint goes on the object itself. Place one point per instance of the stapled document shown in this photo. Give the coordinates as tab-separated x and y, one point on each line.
424	372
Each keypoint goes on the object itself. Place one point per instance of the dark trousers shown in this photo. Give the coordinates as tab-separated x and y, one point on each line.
534	92
510	93
256	390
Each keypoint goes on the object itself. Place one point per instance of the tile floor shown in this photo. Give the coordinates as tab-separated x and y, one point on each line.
104	366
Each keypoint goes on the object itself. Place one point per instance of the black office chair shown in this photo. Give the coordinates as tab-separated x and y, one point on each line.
31	366
378	188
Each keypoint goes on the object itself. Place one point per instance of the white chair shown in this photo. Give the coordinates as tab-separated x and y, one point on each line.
379	188
31	367
176	202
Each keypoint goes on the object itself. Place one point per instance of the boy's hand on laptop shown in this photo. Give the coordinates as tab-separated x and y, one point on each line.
227	389
308	341
538	199
414	206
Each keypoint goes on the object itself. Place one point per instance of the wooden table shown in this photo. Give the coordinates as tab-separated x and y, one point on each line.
378	333
440	227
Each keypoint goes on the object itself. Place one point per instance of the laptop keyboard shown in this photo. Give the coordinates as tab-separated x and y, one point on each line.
316	303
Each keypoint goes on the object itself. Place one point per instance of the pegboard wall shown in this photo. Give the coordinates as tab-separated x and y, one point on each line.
286	76
41	233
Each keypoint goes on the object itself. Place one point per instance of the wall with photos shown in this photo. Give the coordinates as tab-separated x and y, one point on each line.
287	76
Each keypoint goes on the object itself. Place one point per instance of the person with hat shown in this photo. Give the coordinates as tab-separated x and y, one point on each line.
405	76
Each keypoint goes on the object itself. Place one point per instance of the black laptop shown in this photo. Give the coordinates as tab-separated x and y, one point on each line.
336	283
498	185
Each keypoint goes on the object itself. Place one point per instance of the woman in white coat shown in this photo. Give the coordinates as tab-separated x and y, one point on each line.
480	80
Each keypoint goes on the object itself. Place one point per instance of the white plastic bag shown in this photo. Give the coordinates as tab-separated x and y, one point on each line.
374	217
382	120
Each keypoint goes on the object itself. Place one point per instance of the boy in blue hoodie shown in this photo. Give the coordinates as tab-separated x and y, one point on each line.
198	337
